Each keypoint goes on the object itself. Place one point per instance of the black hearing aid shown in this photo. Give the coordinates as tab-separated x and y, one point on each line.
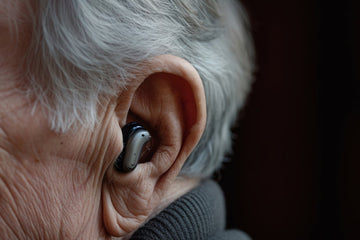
134	137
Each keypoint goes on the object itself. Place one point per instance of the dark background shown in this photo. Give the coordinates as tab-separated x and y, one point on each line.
295	169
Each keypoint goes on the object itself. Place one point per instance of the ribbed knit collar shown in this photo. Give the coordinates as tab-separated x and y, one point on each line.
196	215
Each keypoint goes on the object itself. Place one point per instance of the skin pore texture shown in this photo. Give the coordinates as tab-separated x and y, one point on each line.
63	185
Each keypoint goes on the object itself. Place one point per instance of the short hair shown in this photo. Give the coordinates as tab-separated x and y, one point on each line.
81	48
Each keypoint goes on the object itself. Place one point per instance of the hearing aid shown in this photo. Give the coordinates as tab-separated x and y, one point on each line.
135	137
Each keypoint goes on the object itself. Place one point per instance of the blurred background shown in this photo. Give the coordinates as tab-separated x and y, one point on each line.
295	168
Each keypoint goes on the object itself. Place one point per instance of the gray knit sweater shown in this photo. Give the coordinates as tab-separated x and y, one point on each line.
198	215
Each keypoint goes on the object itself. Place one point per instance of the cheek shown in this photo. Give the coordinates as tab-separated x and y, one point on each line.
96	148
55	198
103	147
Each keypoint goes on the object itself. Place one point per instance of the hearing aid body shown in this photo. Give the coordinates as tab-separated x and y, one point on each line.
135	137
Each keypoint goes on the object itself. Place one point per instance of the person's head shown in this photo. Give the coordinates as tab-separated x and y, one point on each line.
74	72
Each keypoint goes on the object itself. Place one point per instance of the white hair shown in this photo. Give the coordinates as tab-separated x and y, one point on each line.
81	48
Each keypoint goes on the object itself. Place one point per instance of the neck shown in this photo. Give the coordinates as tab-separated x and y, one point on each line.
181	186
198	214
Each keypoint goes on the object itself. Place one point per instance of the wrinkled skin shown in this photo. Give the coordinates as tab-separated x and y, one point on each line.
63	185
50	180
51	184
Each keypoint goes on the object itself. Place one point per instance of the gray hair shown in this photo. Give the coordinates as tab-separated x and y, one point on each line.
80	49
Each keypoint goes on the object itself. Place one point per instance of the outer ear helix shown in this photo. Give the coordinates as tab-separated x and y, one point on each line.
135	137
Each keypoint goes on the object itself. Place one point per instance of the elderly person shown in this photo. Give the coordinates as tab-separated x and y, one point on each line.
73	73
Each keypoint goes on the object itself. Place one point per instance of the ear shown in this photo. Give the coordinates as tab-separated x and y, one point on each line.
168	98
